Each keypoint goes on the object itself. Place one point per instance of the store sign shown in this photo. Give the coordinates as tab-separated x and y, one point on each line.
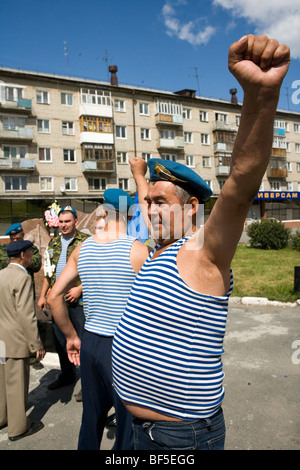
278	195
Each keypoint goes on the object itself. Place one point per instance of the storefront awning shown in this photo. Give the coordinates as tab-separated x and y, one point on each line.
278	195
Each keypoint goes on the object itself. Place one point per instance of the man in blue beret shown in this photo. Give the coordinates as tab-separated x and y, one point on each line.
107	264
15	232
56	257
20	337
167	348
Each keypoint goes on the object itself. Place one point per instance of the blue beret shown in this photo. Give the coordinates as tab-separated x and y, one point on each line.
68	209
15	248
117	198
13	229
176	173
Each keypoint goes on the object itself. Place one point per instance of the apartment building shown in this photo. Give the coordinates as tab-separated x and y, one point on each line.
69	139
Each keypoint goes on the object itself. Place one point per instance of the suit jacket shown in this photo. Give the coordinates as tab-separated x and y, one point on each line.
18	322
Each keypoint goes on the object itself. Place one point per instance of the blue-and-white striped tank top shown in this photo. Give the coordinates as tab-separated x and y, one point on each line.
168	345
107	276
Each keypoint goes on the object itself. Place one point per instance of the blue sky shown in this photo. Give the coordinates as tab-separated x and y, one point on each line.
163	44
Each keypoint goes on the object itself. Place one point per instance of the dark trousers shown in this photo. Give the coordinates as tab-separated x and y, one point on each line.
99	395
68	370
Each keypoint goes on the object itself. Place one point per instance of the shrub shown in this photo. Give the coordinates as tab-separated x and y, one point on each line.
295	240
268	234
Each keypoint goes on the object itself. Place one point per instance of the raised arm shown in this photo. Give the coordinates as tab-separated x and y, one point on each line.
260	65
139	170
56	300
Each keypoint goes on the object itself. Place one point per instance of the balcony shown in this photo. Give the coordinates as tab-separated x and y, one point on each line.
96	138
21	134
223	147
22	104
223	164
224	125
173	119
102	166
22	164
177	143
278	152
277	168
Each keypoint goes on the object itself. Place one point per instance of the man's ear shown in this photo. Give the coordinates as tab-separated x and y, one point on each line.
193	202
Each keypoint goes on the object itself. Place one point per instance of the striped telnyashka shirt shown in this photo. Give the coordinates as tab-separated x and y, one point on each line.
107	276
168	345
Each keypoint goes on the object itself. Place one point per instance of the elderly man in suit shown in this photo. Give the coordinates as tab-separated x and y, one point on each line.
19	338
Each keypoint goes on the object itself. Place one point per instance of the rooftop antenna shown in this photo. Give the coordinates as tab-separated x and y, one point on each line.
197	78
105	58
66	49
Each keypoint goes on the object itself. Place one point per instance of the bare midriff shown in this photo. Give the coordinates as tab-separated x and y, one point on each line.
147	414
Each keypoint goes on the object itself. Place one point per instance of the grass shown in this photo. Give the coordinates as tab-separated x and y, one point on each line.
265	273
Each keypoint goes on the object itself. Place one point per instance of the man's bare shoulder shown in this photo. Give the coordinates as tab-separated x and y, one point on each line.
138	255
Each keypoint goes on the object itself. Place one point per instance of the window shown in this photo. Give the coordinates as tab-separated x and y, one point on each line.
275	185
14	152
190	161
120	106
144	109
222	182
16	183
290	186
297	128
68	128
168	107
95	124
167	134
97	184
13	93
203	115
69	155
169	157
210	184
95	96
145	134
205	139
97	152
43	126
122	157
187	113
147	156
188	137
221	117
124	184
42	97
297	148
298	166
71	184
206	161
45	155
289	166
13	124
46	183
67	99
121	132
237	119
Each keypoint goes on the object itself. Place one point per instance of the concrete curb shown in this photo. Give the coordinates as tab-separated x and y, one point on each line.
261	301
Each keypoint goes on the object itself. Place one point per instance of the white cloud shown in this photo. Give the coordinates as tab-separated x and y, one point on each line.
276	18
190	31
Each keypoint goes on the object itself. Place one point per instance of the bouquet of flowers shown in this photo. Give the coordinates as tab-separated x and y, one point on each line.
51	215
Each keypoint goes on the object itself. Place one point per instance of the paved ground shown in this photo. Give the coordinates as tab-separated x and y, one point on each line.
262	367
